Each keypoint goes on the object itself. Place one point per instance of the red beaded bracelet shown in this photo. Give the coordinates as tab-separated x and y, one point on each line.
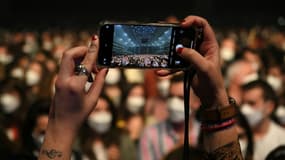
217	126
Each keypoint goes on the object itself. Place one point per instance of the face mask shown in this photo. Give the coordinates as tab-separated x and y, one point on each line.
32	78
163	87
274	82
249	78
5	58
253	116
9	103
280	114
17	73
176	109
227	54
113	76
100	122
47	45
134	75
243	146
39	140
135	103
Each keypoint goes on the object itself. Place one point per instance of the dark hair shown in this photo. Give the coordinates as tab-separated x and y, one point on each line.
268	92
277	153
177	153
38	108
124	112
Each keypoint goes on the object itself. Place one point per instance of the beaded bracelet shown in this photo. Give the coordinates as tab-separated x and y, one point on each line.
217	126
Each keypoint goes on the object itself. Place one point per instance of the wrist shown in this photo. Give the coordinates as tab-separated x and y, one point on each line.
218	114
58	142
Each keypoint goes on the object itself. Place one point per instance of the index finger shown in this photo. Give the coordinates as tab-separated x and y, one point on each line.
197	21
91	55
67	63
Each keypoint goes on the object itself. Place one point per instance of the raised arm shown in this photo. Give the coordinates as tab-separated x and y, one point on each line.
71	104
219	136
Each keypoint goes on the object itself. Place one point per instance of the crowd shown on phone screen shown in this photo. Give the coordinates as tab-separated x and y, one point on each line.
140	115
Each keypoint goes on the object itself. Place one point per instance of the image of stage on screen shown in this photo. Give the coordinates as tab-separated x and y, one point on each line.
141	46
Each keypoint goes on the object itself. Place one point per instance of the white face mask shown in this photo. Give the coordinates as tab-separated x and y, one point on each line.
5	58
39	140
280	114
47	45
253	116
9	103
100	122
163	87
113	76
135	103
176	109
134	75
17	73
32	78
227	53
274	82
243	146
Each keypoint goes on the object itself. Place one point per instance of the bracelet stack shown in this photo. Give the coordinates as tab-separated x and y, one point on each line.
220	118
218	126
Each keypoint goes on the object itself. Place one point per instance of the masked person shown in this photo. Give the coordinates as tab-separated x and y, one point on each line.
72	105
133	118
12	108
99	135
34	129
166	135
259	102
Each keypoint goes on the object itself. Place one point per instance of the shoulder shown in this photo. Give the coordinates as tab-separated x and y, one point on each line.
277	128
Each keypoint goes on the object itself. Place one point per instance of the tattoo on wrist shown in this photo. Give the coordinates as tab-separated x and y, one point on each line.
229	151
51	153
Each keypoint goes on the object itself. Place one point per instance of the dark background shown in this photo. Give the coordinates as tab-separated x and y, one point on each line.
88	13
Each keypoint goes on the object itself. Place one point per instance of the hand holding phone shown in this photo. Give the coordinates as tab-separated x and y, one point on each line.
141	45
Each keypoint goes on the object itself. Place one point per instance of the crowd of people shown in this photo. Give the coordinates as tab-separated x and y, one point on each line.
140	61
140	115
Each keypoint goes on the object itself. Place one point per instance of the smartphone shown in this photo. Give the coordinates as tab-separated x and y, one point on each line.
145	45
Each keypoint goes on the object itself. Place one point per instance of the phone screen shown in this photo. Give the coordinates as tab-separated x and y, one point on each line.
143	46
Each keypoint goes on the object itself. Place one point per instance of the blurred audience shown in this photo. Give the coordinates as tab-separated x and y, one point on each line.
140	100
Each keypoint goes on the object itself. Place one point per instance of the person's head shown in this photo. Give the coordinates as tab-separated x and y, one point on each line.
135	99
35	124
34	73
253	56
175	102
238	73
274	76
259	101
11	97
113	85
103	118
277	154
177	154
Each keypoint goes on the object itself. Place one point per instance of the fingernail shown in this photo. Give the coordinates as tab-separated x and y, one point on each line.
179	48
94	38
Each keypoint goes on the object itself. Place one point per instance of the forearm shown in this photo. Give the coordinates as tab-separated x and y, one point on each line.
58	143
222	144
